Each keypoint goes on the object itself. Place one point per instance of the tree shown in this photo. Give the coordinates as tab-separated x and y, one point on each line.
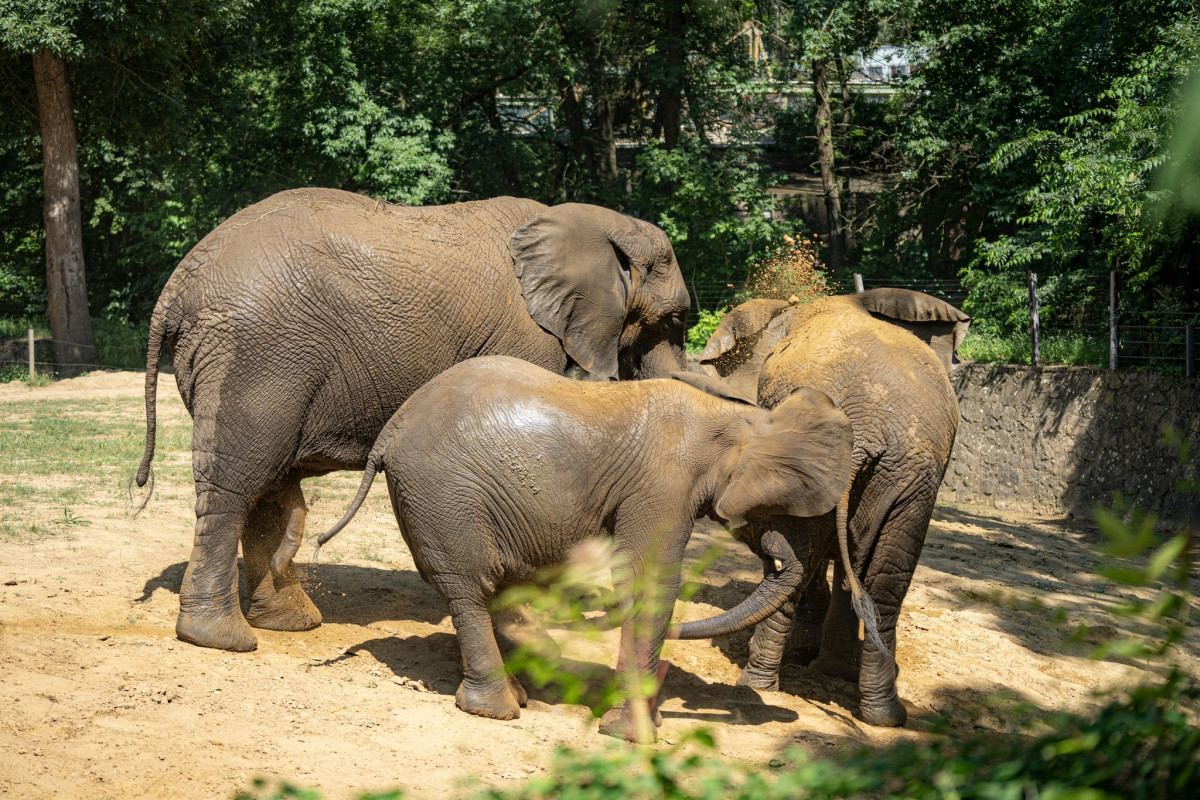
111	45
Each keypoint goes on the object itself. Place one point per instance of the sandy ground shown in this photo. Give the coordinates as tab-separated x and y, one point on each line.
102	701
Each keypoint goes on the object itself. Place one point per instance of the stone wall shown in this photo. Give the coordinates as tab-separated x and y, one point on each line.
1059	440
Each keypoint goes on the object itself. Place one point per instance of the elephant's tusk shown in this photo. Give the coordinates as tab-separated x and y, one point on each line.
778	565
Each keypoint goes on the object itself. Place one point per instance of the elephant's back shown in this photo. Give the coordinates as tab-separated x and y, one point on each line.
356	233
510	438
351	303
886	380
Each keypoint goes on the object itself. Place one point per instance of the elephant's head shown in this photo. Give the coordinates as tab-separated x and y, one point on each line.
738	346
607	286
793	461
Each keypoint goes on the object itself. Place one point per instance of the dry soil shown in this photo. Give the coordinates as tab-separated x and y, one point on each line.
100	700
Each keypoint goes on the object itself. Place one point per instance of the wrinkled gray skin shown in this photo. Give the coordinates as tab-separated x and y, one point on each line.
300	324
883	357
497	469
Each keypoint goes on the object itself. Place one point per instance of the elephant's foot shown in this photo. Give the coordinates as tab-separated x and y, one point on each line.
837	667
761	681
288	609
494	699
619	722
889	713
518	691
225	632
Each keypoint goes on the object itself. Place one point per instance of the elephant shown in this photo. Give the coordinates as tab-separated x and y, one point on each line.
883	357
300	324
497	468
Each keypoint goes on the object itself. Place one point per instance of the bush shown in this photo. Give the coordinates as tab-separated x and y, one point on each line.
699	334
1074	349
121	345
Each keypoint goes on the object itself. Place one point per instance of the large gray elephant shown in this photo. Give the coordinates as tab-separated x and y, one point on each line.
497	468
300	324
883	357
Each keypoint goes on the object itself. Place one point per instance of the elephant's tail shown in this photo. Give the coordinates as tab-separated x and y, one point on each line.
373	462
860	601
153	356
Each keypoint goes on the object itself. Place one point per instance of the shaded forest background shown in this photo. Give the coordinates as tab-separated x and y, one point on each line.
1029	134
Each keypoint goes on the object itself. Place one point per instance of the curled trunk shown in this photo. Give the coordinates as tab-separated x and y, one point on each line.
772	593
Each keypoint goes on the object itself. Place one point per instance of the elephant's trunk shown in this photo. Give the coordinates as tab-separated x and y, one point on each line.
772	593
373	462
661	360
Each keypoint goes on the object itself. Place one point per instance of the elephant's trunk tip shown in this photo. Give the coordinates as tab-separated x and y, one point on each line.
316	553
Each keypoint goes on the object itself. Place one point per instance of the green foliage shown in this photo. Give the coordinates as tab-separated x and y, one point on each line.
15	372
1142	746
713	206
699	334
121	345
1085	212
1076	349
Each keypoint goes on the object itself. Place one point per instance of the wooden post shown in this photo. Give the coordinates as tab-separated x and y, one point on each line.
1112	319
32	368
1189	350
1035	353
858	284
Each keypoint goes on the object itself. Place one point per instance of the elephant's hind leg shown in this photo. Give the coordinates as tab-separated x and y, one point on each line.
209	615
485	690
278	601
840	646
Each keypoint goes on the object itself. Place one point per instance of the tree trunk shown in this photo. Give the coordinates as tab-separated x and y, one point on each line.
605	111
512	175
66	287
576	139
829	183
668	117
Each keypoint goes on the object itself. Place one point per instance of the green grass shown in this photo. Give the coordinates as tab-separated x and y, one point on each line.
71	455
1071	349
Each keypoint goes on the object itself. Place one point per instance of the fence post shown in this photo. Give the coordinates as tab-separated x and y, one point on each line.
32	368
1112	319
1035	353
1189	350
858	284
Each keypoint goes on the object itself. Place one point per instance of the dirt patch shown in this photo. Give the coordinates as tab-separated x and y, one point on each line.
103	701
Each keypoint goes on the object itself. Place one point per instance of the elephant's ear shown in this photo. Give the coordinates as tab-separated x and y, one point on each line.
578	266
714	386
795	461
935	322
741	326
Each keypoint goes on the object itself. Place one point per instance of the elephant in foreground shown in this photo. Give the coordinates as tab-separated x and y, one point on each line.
498	468
883	357
299	325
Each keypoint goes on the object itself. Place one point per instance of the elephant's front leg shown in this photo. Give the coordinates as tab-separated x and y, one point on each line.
277	600
766	650
643	633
